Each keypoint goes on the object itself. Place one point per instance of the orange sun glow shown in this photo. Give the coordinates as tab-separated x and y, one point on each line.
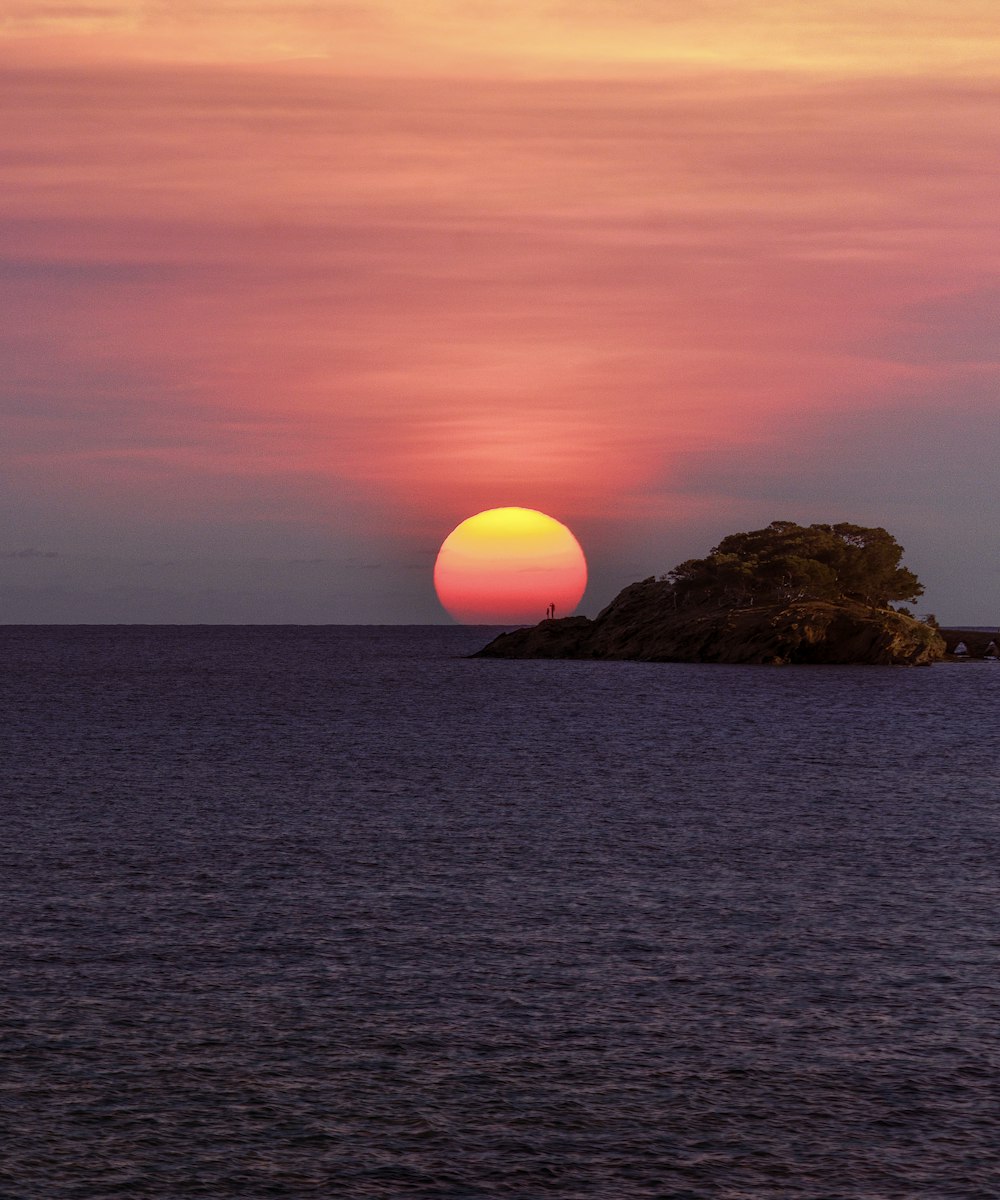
507	566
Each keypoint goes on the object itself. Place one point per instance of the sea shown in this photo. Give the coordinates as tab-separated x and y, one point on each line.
342	912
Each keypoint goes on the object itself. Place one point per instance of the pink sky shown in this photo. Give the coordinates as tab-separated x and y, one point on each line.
290	290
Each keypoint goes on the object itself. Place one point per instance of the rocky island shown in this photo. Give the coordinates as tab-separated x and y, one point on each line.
784	594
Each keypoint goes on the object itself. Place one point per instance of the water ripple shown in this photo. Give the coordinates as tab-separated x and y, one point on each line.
337	912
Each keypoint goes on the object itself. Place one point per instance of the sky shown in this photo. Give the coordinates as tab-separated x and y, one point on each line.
289	290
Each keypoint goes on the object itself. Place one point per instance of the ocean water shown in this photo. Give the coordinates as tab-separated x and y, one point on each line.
339	912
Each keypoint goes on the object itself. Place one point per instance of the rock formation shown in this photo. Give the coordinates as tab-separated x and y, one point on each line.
646	622
979	643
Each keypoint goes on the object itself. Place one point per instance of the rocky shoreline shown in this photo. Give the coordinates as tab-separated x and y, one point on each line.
644	623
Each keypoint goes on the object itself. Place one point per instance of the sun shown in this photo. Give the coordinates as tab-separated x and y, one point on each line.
509	566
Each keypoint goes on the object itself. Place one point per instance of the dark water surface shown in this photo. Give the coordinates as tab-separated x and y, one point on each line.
336	912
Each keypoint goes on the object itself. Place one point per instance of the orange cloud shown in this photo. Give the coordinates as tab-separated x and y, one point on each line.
536	265
528	38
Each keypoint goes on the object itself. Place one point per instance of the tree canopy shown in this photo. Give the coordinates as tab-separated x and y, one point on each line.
786	562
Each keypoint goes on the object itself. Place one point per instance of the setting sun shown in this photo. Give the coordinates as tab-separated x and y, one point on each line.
509	566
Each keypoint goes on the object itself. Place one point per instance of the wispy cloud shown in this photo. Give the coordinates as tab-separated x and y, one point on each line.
391	264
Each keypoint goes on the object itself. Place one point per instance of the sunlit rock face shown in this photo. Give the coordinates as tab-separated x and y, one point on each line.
641	623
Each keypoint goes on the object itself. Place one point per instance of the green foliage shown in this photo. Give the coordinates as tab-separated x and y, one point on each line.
787	562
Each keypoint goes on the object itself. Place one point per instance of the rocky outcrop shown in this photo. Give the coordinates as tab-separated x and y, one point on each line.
978	643
642	623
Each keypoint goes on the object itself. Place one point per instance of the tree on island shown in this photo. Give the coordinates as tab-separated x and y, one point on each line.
788	562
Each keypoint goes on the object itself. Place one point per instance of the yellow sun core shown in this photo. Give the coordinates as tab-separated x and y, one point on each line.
510	566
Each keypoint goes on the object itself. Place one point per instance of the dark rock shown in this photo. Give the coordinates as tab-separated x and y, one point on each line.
977	642
642	623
